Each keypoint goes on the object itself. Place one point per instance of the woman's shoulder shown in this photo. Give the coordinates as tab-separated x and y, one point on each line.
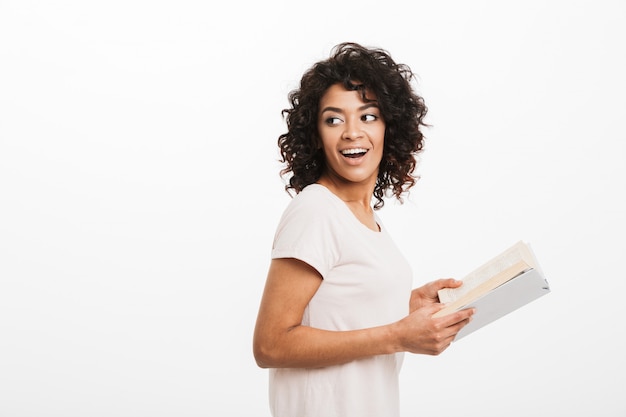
313	200
313	194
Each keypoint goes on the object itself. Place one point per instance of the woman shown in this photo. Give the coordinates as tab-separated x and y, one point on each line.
338	312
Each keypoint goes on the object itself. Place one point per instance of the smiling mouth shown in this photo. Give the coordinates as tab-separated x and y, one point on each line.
354	153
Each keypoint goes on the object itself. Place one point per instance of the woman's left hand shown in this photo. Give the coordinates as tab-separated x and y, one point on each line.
427	294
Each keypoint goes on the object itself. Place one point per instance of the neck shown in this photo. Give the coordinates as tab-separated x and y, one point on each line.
357	197
359	194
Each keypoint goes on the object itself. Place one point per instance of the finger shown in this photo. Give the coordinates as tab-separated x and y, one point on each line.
452	283
469	312
445	283
444	344
458	316
459	325
433	308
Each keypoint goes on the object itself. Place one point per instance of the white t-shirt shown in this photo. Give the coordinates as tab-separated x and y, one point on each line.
366	282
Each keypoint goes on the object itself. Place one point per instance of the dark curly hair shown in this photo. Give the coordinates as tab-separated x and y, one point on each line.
359	69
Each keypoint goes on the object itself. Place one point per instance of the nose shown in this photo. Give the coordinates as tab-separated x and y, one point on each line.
352	130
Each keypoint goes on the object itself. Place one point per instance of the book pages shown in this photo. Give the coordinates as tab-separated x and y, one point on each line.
516	253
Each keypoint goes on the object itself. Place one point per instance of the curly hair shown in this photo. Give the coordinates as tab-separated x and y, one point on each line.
359	69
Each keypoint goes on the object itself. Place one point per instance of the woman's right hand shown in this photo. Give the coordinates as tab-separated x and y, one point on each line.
420	333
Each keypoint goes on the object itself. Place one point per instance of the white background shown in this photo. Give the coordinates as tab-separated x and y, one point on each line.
139	193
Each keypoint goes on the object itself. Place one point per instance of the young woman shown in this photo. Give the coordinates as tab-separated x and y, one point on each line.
338	310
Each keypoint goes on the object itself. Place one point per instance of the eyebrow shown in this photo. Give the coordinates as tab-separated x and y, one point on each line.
338	110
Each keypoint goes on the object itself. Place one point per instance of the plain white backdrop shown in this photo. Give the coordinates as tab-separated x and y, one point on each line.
139	193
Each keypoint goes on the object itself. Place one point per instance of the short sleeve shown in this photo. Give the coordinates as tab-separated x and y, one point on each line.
306	232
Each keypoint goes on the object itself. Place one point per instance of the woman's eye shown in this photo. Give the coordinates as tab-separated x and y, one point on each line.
369	117
333	121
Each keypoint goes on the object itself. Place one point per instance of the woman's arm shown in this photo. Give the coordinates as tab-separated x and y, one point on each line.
280	341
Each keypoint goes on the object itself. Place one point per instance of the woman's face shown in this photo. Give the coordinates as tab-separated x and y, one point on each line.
352	133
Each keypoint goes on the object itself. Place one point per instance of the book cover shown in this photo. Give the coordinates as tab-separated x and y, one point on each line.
505	283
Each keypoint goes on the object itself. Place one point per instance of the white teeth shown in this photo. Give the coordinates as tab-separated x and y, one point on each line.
353	151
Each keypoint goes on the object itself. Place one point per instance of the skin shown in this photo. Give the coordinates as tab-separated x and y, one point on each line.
280	340
346	122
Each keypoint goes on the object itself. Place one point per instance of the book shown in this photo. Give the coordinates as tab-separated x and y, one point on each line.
500	286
